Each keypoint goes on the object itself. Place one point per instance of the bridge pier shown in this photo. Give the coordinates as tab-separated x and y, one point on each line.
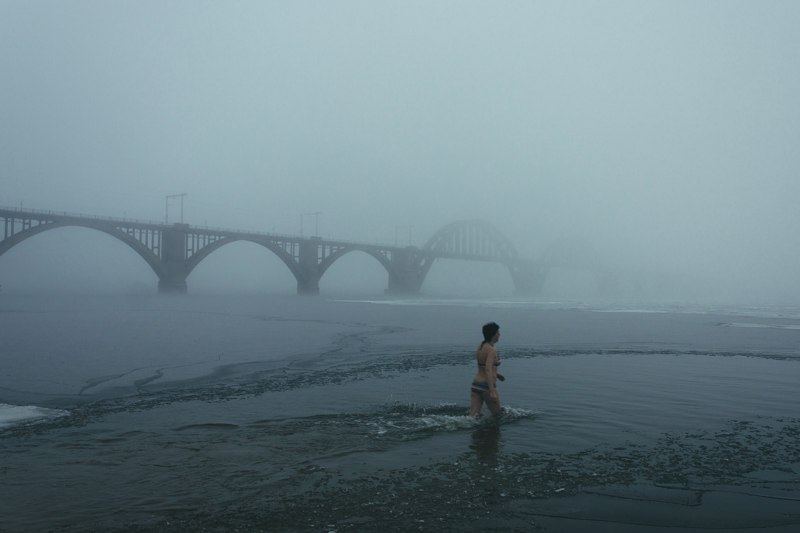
173	259
307	289
309	275
169	286
528	277
405	277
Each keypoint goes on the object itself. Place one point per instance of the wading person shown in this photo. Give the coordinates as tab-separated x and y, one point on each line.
484	384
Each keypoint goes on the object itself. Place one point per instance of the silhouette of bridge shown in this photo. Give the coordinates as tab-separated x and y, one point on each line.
174	250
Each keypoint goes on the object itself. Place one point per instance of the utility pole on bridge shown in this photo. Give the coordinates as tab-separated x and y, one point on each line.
316	215
410	233
167	199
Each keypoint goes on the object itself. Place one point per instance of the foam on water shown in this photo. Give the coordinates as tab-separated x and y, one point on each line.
21	414
412	420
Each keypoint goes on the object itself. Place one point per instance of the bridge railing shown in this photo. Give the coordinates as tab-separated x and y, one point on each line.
26	210
215	229
22	210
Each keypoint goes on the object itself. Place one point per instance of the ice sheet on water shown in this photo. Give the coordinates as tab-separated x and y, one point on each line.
542	304
755	325
20	414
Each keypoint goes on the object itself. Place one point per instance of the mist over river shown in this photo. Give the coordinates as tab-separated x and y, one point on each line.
287	413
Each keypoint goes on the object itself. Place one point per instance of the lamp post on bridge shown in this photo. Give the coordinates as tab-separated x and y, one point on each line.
169	197
173	252
410	233
316	215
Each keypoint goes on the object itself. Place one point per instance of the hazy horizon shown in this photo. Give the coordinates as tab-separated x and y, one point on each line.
657	138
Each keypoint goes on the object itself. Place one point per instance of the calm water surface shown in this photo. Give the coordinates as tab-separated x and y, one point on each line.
314	414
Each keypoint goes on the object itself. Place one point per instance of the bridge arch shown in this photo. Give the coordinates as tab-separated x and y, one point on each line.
207	250
331	259
145	253
238	265
476	239
383	259
470	239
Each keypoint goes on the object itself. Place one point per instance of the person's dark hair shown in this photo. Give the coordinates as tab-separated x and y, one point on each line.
489	330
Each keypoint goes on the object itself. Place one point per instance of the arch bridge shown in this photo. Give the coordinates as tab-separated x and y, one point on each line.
174	250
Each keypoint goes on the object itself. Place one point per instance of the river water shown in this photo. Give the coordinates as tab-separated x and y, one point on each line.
279	413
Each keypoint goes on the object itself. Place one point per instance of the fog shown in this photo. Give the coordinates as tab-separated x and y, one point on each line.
657	138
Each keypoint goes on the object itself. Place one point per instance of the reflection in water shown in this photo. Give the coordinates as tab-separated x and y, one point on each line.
486	442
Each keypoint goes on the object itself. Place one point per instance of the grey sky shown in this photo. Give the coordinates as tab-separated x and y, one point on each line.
664	133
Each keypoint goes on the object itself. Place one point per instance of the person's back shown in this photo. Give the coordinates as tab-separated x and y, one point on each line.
484	384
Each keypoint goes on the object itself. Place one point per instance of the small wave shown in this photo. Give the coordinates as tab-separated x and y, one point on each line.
213	426
755	325
11	415
413	420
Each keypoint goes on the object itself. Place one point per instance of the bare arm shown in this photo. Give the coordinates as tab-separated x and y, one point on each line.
491	371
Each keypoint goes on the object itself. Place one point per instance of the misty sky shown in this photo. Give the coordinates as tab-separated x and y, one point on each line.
664	134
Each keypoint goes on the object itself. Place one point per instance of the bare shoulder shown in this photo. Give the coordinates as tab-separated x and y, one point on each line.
487	351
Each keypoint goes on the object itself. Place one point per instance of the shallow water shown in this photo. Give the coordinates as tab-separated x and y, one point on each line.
296	414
